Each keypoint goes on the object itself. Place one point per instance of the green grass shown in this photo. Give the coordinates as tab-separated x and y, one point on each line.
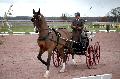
18	29
30	28
97	29
23	29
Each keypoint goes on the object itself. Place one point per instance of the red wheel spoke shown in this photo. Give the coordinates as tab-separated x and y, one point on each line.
89	57
97	53
56	58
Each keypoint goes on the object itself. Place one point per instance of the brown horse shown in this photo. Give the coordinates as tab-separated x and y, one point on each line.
49	39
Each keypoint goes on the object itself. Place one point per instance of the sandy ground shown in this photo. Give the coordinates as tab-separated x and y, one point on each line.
18	59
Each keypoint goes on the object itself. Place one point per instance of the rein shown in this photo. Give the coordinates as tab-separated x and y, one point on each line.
46	37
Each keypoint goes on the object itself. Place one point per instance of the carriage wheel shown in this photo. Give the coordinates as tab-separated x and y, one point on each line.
97	53
89	57
56	58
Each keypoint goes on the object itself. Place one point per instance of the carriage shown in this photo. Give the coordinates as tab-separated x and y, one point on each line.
92	52
59	45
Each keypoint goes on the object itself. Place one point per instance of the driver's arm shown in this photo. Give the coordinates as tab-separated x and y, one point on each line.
73	25
81	25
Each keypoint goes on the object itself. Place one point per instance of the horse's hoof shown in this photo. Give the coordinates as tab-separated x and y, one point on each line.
75	63
61	71
46	75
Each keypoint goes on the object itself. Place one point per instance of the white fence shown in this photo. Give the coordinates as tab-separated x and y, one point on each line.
106	30
104	76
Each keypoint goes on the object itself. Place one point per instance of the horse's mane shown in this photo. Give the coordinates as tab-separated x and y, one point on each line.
43	19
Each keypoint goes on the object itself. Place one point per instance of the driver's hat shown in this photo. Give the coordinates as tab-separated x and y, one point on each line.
77	14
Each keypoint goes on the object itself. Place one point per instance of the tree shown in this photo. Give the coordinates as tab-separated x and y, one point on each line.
64	17
115	13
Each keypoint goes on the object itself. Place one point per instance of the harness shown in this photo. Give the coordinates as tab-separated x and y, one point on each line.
58	35
46	37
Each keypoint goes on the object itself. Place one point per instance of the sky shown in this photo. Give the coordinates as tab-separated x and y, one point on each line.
55	8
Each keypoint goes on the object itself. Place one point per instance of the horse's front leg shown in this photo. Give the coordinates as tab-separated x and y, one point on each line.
40	57
48	63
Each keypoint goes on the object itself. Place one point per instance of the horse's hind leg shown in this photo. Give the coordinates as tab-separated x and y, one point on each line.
74	62
64	57
39	57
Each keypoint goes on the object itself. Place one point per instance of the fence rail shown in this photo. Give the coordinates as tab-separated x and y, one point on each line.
104	76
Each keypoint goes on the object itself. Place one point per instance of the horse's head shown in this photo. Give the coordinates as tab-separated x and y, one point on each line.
37	20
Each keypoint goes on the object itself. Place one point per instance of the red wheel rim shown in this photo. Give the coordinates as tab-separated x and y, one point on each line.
97	53
89	57
56	58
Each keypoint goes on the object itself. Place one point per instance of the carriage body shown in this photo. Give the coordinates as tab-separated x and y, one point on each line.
81	47
92	52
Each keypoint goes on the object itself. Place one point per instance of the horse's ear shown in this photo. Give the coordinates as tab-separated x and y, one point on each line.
39	11
33	11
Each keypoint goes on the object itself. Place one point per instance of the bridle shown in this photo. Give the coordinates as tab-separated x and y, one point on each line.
36	21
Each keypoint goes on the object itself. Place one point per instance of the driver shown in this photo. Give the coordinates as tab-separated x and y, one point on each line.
77	26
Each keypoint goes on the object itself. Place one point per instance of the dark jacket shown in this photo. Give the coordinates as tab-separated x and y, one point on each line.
76	30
